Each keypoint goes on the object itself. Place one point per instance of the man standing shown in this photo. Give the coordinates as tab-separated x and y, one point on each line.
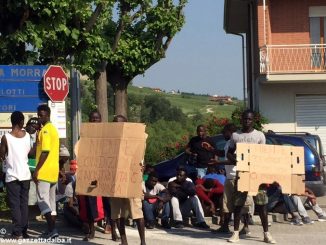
14	150
120	207
197	150
47	169
251	136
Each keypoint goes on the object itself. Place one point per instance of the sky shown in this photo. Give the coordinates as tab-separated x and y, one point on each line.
202	58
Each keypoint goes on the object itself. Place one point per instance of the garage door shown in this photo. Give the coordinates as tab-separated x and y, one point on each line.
310	114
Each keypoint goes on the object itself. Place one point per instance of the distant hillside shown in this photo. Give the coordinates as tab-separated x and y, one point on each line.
190	104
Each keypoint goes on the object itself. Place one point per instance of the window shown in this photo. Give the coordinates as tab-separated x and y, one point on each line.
317	21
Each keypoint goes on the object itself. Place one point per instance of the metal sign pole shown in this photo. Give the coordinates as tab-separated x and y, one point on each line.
75	108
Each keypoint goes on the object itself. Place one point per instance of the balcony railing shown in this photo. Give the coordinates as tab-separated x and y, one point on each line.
305	58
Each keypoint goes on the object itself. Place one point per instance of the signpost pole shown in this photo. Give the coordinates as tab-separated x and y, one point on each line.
75	107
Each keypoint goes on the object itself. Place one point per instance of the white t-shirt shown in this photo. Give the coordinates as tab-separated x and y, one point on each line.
17	159
69	191
230	170
156	190
254	137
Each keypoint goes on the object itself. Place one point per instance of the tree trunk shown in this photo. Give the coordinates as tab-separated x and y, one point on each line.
119	85
121	102
102	93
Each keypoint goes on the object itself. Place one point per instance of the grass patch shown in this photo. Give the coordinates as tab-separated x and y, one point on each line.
188	103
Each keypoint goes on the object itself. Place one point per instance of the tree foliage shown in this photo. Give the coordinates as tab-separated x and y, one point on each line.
144	30
122	37
47	32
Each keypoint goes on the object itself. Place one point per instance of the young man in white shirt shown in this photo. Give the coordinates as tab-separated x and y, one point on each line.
251	136
156	198
14	150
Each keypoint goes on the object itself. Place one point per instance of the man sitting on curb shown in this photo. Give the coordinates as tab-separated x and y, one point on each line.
310	199
184	200
156	198
210	191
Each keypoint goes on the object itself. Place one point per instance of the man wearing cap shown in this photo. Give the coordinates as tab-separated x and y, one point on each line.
32	127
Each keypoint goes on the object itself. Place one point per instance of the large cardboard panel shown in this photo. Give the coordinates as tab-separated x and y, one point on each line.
109	157
264	164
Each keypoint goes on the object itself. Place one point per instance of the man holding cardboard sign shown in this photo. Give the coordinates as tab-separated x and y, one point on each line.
121	207
249	135
109	156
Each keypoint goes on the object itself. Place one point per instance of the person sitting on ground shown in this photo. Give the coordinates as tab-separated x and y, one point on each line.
148	169
71	208
281	203
216	173
156	198
62	179
184	200
210	193
308	199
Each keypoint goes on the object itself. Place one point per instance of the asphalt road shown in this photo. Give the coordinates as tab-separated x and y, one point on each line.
283	233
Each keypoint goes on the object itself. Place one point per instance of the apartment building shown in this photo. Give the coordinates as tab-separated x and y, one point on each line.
285	60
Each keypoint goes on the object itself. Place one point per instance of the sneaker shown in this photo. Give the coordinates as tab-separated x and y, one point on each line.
296	221
268	238
202	225
322	218
222	229
307	220
50	235
178	225
245	231
235	237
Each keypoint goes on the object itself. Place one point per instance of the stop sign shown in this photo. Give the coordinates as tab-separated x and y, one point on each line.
56	83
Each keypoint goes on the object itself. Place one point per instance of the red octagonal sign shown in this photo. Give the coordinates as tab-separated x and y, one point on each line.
56	84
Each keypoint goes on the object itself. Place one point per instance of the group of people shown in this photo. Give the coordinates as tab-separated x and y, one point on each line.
214	189
269	198
38	142
15	149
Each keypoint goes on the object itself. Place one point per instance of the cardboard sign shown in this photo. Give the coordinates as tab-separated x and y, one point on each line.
265	164
109	157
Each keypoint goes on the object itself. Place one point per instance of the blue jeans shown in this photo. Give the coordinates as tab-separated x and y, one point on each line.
150	211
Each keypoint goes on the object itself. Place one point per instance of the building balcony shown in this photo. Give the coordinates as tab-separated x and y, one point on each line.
293	59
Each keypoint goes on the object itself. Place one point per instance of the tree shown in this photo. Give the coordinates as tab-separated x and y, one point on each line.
143	32
54	31
50	32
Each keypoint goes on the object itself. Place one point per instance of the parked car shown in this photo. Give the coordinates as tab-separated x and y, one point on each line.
314	166
313	139
314	171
